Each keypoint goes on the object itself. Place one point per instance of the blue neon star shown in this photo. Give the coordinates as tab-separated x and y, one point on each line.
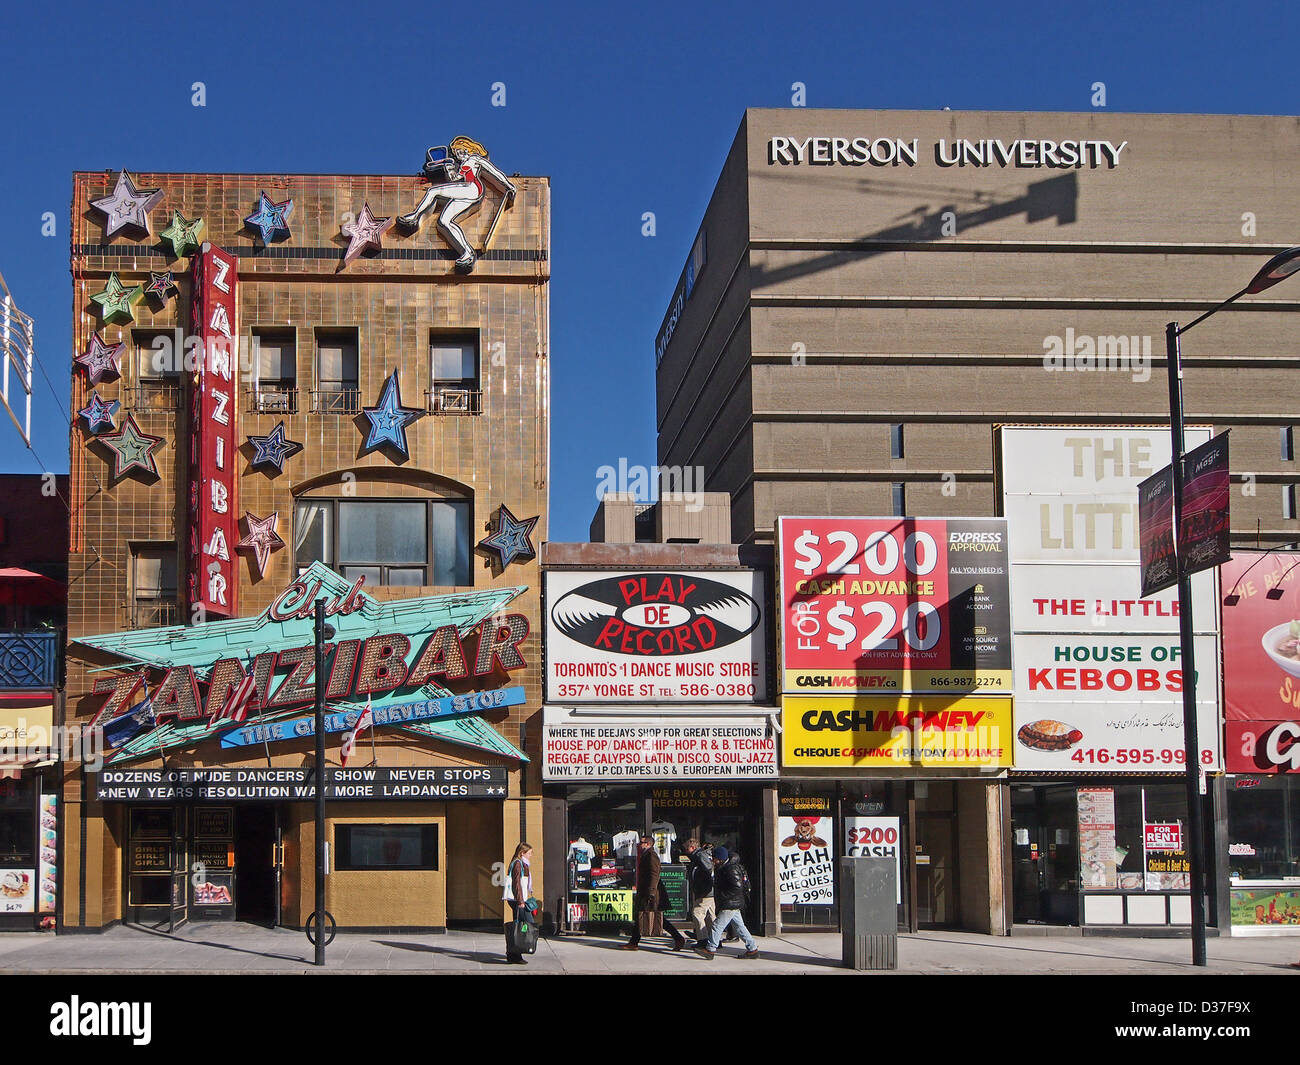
388	421
97	414
273	448
510	539
270	217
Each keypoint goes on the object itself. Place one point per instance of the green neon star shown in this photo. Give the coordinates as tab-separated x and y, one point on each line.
132	449
116	301
184	236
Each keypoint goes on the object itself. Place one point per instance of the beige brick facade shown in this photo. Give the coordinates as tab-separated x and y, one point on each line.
397	302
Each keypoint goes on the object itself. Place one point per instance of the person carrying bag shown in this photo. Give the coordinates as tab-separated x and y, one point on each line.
525	911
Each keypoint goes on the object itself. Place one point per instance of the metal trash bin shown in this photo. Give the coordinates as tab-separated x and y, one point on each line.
869	913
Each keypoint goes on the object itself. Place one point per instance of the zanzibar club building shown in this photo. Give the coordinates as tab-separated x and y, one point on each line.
292	388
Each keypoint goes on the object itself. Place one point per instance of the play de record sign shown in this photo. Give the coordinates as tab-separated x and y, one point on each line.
887	606
654	636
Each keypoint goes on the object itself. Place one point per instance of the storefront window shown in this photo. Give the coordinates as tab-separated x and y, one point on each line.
608	819
17	823
1263	828
386	847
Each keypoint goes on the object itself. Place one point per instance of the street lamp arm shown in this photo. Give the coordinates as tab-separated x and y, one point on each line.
1213	310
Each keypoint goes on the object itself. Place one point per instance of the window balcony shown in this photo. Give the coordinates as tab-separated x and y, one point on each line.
447	400
336	401
271	399
156	613
153	395
29	660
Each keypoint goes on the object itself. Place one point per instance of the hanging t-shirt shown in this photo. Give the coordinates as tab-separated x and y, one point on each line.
665	835
625	844
581	851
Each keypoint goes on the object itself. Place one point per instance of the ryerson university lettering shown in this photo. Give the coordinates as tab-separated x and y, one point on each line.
894	151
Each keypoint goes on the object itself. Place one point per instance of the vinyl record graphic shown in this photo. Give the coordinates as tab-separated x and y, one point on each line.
650	615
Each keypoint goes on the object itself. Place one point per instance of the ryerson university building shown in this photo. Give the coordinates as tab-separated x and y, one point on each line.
959	316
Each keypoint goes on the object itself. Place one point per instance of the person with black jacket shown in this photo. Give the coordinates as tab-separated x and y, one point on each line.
730	886
700	870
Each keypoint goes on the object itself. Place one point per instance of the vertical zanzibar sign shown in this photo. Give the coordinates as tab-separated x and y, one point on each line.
212	583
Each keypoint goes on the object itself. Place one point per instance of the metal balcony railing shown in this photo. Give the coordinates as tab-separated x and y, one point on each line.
336	401
448	400
271	400
155	613
154	395
29	660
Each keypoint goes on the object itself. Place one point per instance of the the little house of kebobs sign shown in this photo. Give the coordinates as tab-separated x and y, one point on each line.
396	655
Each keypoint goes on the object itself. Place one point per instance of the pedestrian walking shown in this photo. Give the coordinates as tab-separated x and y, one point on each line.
730	889
651	900
521	932
700	871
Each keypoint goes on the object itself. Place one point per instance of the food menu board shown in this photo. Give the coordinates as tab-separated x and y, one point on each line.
1098	868
49	865
18	891
886	606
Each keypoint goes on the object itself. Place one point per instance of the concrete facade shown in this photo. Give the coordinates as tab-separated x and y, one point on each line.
840	299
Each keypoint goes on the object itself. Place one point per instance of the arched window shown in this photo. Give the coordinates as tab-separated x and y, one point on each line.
392	535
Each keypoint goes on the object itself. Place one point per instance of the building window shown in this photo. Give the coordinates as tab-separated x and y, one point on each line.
337	372
896	440
157	355
1289	501
275	384
386	847
899	499
1288	443
153	587
409	543
453	373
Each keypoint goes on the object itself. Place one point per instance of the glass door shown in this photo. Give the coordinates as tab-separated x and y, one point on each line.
180	871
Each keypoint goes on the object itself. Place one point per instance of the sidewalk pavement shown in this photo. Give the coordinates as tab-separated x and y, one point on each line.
242	948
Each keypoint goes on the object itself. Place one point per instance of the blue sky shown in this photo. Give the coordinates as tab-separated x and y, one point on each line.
627	108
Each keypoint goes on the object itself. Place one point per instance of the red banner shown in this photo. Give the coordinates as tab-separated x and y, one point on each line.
1261	662
213	582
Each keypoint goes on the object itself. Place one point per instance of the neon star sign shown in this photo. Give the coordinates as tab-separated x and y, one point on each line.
388	421
97	414
261	538
132	449
127	207
185	236
116	301
365	234
510	539
270	218
273	448
162	286
101	360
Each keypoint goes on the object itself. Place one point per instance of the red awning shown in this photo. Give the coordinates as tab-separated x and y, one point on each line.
22	587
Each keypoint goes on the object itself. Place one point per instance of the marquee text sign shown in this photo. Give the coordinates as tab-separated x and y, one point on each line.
298	784
212	580
641	748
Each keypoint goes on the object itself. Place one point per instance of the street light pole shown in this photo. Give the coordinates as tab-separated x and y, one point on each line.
1278	268
320	781
1191	742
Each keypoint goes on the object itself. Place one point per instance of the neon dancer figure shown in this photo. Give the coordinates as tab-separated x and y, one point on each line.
463	163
